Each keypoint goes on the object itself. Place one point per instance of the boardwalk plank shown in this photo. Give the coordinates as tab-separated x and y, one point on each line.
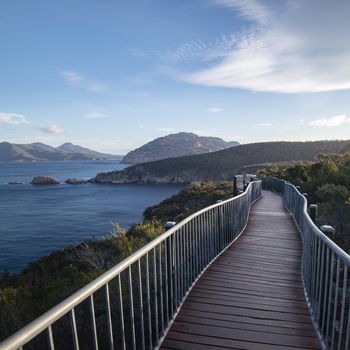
251	297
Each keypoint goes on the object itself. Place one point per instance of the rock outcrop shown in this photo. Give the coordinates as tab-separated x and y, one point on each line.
74	181
44	180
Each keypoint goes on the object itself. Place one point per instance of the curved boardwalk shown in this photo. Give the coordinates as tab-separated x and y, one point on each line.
251	297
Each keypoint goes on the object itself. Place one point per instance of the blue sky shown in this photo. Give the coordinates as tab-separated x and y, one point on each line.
112	75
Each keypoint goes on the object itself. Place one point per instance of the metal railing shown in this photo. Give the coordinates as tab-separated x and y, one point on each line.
132	305
325	272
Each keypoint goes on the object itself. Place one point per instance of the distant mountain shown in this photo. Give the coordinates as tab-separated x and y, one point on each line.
221	165
75	149
10	152
176	145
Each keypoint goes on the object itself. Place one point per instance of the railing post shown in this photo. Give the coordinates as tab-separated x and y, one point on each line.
234	185
219	223
313	212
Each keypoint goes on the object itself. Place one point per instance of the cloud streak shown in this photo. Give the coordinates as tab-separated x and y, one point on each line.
215	110
72	77
252	10
202	51
95	115
7	119
289	50
53	129
78	80
332	122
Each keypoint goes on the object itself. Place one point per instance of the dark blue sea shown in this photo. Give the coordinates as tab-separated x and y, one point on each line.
34	220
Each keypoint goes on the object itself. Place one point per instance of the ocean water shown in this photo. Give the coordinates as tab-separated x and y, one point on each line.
34	220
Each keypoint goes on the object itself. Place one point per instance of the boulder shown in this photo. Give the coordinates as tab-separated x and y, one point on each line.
44	180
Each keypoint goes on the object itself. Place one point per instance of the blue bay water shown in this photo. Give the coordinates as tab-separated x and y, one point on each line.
34	220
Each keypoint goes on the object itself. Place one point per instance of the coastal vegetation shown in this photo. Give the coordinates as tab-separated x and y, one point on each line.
189	200
327	183
45	282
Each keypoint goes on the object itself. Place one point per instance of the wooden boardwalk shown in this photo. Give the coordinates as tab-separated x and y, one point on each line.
251	297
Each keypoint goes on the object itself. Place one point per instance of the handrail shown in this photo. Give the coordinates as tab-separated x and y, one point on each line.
150	285
324	272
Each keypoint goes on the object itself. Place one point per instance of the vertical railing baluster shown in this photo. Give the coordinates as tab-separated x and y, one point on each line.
342	310
142	324
148	297
330	297
347	340
161	288
180	265
206	231
166	246
170	275
177	267
314	258
155	294
318	280
182	259
109	317
198	229
199	255
335	304
325	290
131	309
50	338
187	260
93	322
74	330
121	311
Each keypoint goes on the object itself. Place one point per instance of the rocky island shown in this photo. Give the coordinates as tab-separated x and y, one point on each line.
44	180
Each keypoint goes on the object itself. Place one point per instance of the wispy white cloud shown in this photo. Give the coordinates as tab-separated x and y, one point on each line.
252	10
215	110
202	51
52	129
95	115
95	87
264	125
331	122
72	77
7	119
289	50
77	79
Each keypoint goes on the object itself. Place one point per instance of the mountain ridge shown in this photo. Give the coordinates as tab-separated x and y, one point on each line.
221	165
176	145
37	151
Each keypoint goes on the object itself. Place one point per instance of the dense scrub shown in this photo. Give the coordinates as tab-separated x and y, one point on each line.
189	200
327	183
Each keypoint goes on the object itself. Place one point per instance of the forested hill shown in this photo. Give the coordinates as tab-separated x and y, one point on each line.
223	164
